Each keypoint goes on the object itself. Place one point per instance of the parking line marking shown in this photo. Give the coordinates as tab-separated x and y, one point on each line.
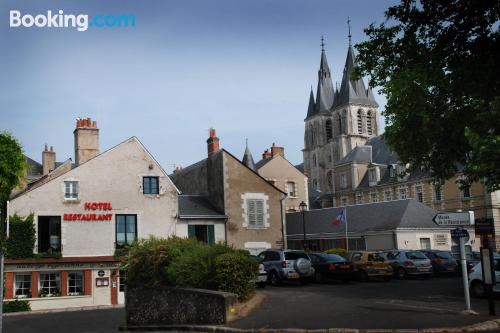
419	307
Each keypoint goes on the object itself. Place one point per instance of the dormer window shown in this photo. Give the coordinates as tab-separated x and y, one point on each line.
392	171
373	176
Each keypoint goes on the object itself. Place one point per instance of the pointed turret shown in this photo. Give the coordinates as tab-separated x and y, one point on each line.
324	94
248	158
353	90
310	108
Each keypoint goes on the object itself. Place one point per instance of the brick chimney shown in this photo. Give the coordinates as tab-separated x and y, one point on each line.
48	160
86	140
212	142
267	154
277	151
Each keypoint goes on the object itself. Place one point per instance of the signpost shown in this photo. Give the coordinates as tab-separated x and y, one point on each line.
459	220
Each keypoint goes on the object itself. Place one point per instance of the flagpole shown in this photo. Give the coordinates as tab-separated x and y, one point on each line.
346	237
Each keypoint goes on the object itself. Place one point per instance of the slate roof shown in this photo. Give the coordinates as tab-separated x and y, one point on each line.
360	154
197	207
35	169
248	159
381	153
374	217
351	90
262	162
300	167
311	106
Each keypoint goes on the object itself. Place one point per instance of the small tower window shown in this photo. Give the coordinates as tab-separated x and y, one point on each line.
329	179
328	128
314	161
360	122
369	126
339	123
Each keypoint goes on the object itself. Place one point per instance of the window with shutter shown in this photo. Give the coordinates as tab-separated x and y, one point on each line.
255	212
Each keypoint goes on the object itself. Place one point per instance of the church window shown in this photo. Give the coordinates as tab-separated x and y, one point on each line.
314	161
369	125
329	179
360	122
339	124
344	122
328	127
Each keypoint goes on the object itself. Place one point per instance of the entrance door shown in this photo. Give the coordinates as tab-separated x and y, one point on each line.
121	287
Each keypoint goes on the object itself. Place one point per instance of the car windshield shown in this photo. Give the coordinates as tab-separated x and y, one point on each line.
444	255
332	257
295	255
415	255
375	257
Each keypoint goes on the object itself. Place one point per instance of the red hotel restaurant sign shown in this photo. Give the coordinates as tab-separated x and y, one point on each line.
101	206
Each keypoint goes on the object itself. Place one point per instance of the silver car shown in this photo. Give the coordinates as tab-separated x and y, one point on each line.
290	265
408	262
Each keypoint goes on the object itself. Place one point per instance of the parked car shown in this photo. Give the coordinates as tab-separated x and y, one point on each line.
408	262
262	277
331	266
282	265
476	285
442	261
369	265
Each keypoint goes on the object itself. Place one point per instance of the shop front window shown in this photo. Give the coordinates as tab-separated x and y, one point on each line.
75	283
50	284
22	286
49	234
126	229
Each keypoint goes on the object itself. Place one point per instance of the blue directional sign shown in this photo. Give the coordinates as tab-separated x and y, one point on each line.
459	233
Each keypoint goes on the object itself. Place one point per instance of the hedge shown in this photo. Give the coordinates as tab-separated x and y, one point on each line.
182	262
17	305
22	237
236	272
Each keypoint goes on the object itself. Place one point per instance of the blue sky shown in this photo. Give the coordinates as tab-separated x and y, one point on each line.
244	67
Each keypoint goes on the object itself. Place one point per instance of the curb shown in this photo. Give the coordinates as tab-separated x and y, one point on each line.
81	308
490	325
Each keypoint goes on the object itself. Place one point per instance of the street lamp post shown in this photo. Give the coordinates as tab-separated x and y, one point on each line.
303	208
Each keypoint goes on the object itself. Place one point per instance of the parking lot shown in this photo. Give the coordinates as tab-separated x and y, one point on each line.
413	303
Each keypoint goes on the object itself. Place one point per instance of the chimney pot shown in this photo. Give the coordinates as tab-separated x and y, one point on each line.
212	142
275	150
86	140
48	160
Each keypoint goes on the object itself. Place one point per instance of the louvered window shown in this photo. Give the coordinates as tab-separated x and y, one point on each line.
369	126
328	127
360	122
255	211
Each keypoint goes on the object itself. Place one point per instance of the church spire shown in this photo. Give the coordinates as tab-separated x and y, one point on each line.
353	90
324	93
248	158
310	108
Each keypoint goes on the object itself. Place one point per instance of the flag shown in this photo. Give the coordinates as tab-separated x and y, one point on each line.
340	218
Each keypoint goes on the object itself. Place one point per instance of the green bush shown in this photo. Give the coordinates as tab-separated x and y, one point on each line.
22	237
236	272
17	305
147	260
337	251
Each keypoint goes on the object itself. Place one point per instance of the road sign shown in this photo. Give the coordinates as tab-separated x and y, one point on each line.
460	233
454	219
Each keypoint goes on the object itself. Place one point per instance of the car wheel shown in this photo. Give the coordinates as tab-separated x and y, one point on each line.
274	279
477	289
363	276
401	273
319	277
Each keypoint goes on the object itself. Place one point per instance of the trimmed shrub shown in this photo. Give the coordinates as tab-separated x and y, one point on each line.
337	251
18	305
22	237
147	260
236	272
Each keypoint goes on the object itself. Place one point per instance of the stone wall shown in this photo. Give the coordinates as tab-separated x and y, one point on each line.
177	306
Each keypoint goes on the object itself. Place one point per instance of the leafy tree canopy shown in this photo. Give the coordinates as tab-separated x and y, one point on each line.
12	167
437	61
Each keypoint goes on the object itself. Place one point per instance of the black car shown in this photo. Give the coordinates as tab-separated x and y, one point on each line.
442	261
331	266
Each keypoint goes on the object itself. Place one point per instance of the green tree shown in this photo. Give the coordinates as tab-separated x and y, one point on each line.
12	167
437	63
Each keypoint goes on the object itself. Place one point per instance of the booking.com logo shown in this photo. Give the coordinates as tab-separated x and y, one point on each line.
82	22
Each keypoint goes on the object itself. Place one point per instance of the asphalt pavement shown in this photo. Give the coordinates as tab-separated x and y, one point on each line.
415	303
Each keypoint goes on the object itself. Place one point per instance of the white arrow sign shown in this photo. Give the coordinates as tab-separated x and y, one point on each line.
454	219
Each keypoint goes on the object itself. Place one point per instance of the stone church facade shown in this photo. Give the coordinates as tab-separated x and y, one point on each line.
337	121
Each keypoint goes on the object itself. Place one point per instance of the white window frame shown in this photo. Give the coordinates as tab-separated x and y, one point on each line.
403	192
374	197
246	198
388	197
57	279
74	189
20	285
82	279
293	192
359	198
343	201
437	189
